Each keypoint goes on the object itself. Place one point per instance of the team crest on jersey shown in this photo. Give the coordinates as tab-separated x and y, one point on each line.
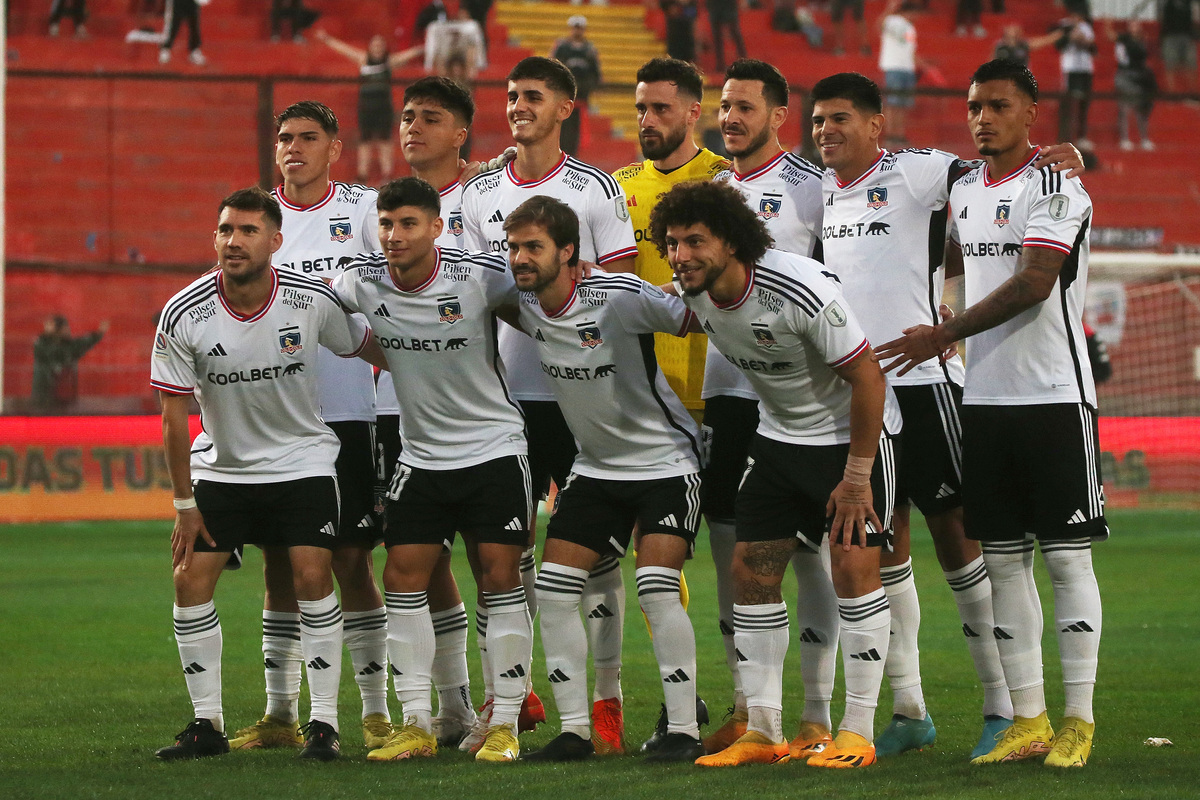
768	207
1002	214
289	341
449	310
877	197
340	230
589	335
455	224
763	336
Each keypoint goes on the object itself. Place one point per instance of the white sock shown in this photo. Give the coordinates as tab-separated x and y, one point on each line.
510	645
1077	618
485	660
973	596
198	635
903	664
1018	623
529	578
410	651
366	639
865	631
674	645
722	537
604	609
321	642
282	658
449	672
817	618
761	639
559	590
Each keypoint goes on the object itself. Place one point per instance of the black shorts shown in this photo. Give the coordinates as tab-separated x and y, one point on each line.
728	429
387	453
375	117
787	486
357	476
488	502
299	513
1032	469
838	9
600	514
551	445
929	471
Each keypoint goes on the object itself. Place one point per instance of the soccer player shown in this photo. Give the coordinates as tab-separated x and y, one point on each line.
784	191
1029	408
463	464
541	92
824	400
326	224
243	341
638	463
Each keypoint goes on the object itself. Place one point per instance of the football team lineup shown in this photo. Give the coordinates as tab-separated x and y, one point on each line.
834	401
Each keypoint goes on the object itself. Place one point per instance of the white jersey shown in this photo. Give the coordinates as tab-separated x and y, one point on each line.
1040	355
884	236
786	194
255	377
440	343
452	238
598	351
319	240
605	235
787	333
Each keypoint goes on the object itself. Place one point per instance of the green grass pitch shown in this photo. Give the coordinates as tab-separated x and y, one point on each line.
90	685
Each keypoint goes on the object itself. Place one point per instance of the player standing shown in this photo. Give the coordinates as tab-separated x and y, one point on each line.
463	465
327	223
541	92
1030	437
242	341
638	464
775	316
784	191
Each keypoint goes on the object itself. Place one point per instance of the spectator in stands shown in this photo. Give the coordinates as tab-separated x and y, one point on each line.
1012	45
898	62
723	14
76	10
580	56
56	363
1179	24
1135	82
179	11
434	12
478	11
837	11
375	113
1075	41
681	28
969	15
297	16
448	40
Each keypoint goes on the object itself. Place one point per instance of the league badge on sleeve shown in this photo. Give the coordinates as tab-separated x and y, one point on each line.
160	345
589	335
340	230
877	197
1003	212
621	208
449	310
1058	207
289	341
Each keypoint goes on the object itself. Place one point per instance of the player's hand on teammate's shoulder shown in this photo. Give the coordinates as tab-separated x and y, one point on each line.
582	270
1060	157
469	171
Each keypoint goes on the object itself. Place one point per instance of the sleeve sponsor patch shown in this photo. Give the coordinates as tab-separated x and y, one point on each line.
1059	204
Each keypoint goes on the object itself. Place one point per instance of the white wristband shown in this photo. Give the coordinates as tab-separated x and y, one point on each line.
858	470
184	505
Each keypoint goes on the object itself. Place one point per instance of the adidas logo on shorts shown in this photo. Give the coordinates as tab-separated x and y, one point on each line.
515	525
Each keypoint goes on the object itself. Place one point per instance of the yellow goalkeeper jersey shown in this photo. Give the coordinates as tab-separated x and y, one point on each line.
681	360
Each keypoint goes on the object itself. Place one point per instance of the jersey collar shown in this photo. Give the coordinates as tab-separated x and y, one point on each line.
987	181
283	201
736	304
256	315
433	273
749	176
448	188
512	174
567	304
874	166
